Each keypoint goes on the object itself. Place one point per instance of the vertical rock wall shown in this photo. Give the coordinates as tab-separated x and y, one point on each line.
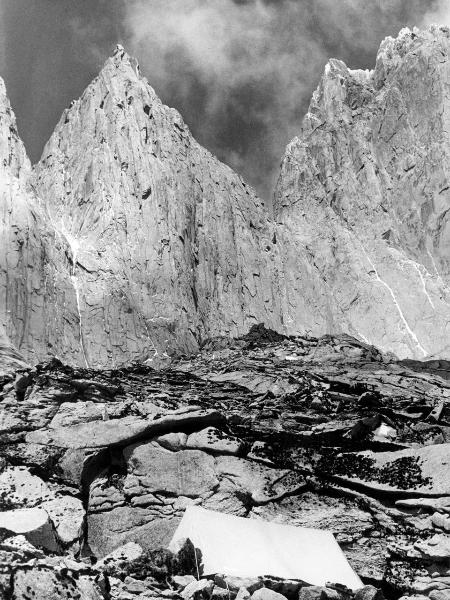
167	244
364	195
37	317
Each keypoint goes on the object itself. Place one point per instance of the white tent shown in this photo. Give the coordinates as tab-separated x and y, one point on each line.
251	548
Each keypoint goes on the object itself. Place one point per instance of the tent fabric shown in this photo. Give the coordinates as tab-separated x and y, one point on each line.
242	547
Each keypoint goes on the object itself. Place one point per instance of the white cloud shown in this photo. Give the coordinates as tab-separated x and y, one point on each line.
242	71
440	15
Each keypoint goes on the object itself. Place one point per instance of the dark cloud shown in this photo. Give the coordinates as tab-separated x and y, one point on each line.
241	72
51	51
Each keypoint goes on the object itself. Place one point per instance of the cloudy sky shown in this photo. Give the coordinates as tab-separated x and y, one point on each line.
241	72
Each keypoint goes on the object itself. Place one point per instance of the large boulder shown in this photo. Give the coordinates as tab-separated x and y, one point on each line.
34	524
121	431
267	594
67	515
51	584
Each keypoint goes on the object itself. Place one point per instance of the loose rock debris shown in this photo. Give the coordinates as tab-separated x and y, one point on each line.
263	426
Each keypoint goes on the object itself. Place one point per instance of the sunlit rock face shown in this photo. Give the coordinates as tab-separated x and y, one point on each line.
128	240
167	245
364	195
37	302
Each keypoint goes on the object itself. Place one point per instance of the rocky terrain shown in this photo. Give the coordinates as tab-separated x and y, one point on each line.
98	466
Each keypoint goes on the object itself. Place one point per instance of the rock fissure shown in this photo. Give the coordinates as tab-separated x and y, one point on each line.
395	301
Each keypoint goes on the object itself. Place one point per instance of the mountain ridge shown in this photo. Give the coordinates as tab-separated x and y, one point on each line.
153	245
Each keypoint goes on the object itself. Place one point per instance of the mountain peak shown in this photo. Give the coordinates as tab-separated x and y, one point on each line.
121	57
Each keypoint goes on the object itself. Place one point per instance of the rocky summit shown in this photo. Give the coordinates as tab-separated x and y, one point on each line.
165	343
363	194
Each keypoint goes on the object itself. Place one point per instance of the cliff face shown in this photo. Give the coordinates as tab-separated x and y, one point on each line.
167	244
129	240
364	195
37	303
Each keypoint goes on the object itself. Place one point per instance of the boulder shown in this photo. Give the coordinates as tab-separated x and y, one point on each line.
67	515
369	592
432	504
149	528
439	594
49	584
123	431
172	441
441	521
198	590
34	524
185	473
76	413
234	584
20	546
134	586
19	488
212	439
266	594
421	471
181	581
436	548
314	592
126	553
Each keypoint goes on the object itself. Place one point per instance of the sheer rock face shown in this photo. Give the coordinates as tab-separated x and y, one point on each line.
364	194
167	245
129	239
36	297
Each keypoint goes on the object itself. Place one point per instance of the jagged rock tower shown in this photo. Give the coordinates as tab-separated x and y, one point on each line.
364	194
37	304
162	244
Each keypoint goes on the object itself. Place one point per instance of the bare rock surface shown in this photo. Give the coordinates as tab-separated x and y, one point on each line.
35	286
131	242
363	194
167	245
285	453
415	471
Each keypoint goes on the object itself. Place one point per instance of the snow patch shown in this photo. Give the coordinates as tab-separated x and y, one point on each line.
396	303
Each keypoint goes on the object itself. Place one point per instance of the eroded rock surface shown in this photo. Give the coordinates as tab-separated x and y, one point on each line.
35	286
363	194
294	451
168	246
129	241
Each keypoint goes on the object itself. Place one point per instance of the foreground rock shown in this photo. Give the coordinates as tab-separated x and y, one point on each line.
289	452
